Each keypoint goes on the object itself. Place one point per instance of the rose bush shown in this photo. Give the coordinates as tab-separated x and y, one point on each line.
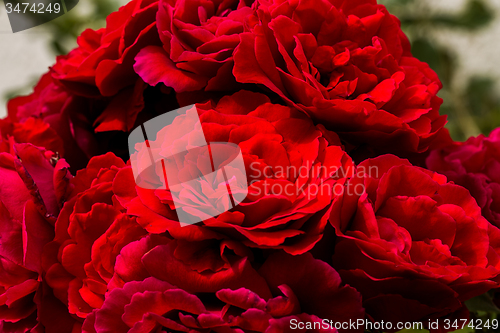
474	164
415	246
301	89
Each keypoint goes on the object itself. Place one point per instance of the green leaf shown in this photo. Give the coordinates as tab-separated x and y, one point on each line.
482	303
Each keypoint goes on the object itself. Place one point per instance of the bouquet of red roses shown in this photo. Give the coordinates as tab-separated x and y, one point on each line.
303	181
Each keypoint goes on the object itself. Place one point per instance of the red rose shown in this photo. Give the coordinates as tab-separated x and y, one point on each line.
199	38
475	165
181	296
101	65
415	246
64	113
348	65
81	127
295	171
92	94
33	187
89	233
32	130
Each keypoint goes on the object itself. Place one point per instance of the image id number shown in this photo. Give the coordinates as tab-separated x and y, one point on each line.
35	8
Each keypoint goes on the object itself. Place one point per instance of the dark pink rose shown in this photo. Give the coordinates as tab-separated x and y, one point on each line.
180	296
33	187
475	165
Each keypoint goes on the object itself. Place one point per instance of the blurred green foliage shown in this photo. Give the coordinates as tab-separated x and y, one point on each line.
483	311
473	107
65	29
87	14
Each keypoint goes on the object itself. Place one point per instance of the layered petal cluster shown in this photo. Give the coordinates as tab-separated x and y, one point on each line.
90	231
171	293
295	173
34	131
34	185
100	243
348	65
101	65
410	234
102	264
199	39
475	165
